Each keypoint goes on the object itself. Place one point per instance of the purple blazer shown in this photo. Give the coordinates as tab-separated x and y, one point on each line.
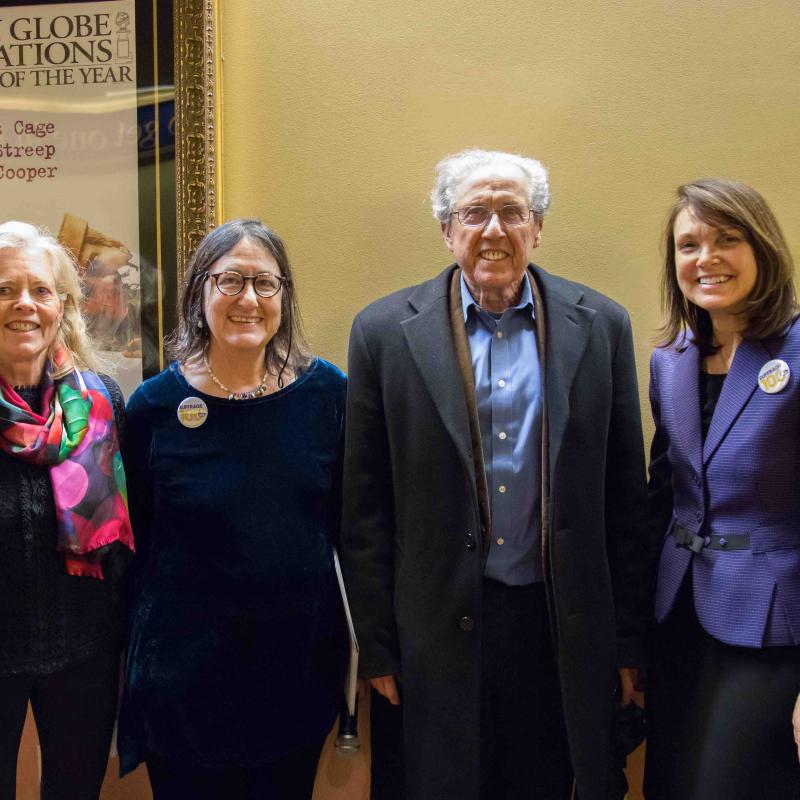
734	499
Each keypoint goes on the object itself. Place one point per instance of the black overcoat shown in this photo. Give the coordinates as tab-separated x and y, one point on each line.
412	545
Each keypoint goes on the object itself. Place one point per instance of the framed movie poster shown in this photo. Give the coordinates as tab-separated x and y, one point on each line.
108	138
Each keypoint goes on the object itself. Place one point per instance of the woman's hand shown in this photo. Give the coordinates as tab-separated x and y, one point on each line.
796	724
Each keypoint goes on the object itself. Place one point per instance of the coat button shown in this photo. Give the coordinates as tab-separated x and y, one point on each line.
466	624
723	542
469	541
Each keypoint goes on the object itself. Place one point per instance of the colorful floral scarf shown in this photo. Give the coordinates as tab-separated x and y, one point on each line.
76	437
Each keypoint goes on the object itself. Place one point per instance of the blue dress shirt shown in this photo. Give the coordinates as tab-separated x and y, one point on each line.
508	392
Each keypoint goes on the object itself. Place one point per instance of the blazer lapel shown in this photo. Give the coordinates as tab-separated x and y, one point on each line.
685	391
739	386
569	326
430	342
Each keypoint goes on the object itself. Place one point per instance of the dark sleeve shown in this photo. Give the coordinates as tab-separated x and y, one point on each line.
368	515
117	557
626	524
659	488
335	524
136	457
118	407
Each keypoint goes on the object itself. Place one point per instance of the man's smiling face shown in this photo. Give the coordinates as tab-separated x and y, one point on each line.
493	256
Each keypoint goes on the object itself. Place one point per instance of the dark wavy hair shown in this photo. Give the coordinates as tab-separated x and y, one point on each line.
287	347
771	305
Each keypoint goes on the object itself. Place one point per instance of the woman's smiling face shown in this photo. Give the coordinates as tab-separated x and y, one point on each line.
30	313
715	266
244	320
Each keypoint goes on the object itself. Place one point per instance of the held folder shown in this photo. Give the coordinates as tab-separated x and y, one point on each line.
347	741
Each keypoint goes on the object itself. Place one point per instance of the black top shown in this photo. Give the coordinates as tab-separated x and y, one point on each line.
48	618
710	390
236	648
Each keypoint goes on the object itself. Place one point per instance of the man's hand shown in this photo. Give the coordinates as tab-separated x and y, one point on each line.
386	686
796	724
629	684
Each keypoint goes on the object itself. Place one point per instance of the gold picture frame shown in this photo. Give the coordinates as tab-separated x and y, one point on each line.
197	130
179	188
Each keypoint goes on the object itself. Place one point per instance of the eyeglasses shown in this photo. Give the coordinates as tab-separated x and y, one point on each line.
478	216
231	283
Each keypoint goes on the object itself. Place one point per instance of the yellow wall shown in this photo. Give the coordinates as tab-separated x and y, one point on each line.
336	111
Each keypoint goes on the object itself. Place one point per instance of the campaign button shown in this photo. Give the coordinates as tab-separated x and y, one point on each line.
192	412
773	376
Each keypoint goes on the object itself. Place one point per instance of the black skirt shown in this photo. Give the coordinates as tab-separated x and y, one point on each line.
719	716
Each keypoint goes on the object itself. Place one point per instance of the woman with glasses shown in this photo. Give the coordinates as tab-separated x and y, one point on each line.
236	655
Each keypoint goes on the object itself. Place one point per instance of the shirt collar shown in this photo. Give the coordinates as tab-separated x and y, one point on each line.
525	300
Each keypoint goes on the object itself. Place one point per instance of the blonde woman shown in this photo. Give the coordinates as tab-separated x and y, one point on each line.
64	528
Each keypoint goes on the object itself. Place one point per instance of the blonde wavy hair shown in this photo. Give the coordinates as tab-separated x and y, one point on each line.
72	334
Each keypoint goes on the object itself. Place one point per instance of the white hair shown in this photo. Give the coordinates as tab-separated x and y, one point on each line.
72	333
453	170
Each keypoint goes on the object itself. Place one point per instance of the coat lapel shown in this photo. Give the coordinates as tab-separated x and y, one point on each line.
569	327
430	342
685	392
739	386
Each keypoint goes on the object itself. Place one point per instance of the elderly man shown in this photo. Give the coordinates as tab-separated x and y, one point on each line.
493	530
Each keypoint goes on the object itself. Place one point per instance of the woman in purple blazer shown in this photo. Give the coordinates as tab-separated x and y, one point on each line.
725	505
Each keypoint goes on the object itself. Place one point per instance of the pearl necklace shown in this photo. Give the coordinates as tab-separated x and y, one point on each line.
259	391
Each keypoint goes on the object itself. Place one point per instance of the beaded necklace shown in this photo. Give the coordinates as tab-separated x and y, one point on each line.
259	391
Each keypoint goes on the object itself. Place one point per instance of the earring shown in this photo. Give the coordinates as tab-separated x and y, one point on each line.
200	324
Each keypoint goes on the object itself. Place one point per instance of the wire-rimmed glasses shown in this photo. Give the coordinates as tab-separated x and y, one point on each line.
478	216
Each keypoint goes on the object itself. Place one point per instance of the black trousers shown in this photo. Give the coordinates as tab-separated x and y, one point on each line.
719	717
74	711
524	751
288	778
387	773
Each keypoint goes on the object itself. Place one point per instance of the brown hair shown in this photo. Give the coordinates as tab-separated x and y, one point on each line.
287	346
772	304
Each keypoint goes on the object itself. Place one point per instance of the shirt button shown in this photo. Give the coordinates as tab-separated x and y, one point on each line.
501	540
499	334
469	541
502	490
502	435
501	383
466	624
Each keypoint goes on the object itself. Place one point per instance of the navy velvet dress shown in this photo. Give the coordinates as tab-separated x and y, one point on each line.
237	641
